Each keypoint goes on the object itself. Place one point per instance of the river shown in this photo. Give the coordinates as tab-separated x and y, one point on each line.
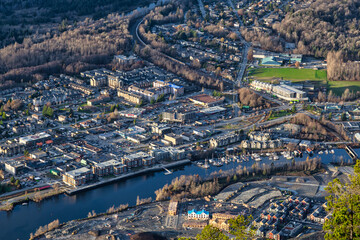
23	220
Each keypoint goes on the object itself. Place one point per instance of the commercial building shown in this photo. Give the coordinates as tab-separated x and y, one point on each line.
179	116
130	97
173	139
14	167
36	139
11	149
173	208
108	168
77	177
206	100
161	129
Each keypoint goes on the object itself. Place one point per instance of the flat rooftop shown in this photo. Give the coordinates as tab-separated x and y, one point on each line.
204	98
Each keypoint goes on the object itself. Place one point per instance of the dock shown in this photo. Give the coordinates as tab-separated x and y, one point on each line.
351	152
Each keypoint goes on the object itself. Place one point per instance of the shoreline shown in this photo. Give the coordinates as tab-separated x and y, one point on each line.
9	206
156	168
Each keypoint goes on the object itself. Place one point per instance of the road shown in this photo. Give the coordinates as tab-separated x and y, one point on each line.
242	66
202	9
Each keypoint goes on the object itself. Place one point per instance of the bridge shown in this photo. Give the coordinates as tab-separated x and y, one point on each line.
351	152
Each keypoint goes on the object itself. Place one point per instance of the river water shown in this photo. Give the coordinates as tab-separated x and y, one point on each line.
23	220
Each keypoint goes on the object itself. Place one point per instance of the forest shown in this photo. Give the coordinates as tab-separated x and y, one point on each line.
90	43
21	18
324	26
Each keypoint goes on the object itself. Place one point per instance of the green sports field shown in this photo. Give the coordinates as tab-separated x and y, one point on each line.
292	74
318	77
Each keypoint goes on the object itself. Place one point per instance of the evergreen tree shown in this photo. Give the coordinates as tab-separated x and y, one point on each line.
344	205
211	233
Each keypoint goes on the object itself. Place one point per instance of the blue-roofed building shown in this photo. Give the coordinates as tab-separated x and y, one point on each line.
198	215
174	89
271	61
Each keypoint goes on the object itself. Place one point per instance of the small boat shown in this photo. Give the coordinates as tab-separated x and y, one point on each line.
321	152
218	164
332	151
24	204
326	152
275	157
205	165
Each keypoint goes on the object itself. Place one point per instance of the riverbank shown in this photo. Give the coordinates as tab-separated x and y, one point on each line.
22	196
128	175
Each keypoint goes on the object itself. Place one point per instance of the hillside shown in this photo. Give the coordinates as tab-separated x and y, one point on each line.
324	26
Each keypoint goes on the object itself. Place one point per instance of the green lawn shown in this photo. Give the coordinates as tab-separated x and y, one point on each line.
338	87
292	74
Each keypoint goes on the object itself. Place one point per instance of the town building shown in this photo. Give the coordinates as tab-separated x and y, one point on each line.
179	116
14	167
173	208
36	139
122	59
85	90
98	100
77	177
206	100
198	215
98	81
111	167
220	220
138	159
130	97
173	139
224	140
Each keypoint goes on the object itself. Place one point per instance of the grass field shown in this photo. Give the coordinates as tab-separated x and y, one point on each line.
292	74
318	77
338	87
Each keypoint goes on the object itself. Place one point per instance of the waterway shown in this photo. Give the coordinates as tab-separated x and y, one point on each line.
23	220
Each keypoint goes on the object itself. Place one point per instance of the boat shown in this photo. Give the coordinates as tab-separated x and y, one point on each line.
256	157
296	153
205	165
217	164
288	155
